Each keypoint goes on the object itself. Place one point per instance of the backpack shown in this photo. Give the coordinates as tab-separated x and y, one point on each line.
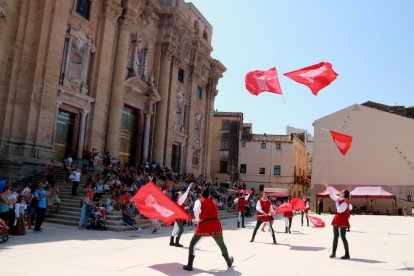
34	202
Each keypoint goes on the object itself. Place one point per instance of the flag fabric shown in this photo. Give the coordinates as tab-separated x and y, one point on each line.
154	204
283	208
244	191
316	76
297	204
342	141
259	81
316	221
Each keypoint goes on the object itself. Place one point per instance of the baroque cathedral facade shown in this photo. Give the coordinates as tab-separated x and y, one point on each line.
131	77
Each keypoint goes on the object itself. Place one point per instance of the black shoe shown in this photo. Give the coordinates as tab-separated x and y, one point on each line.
251	240
345	257
332	256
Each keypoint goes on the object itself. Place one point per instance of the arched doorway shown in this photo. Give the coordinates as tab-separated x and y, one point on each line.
129	136
64	134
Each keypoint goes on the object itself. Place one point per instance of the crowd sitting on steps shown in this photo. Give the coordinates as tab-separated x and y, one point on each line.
25	207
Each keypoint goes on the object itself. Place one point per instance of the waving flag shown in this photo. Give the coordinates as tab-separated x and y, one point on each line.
154	204
342	141
261	81
283	208
316	221
316	77
297	204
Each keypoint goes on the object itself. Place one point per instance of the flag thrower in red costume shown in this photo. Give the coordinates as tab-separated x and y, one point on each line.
264	210
241	201
179	223
208	225
341	219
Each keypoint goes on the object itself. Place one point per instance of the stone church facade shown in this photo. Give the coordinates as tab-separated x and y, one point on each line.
132	77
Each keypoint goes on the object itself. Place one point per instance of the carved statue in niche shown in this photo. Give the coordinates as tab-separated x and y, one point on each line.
197	131
137	57
2	13
180	109
77	58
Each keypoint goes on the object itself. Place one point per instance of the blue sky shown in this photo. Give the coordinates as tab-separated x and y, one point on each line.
370	44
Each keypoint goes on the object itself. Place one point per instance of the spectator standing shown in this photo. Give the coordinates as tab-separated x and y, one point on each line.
40	196
7	200
75	177
20	211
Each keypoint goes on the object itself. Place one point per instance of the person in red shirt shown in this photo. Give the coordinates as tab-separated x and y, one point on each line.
288	219
208	225
305	211
264	210
241	201
340	221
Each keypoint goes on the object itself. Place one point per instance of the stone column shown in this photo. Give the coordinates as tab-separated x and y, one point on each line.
81	139
116	102
161	125
147	131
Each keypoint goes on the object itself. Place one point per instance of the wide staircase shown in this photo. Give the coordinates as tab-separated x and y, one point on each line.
70	207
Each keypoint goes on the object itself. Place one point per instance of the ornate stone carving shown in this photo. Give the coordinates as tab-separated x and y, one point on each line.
112	10
180	109
167	50
2	13
79	47
197	132
138	50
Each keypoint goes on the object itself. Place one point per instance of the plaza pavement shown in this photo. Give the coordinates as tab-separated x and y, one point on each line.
379	245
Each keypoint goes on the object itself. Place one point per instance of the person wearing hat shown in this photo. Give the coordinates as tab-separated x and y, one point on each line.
179	224
40	196
208	225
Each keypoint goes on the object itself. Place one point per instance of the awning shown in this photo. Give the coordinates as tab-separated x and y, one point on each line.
278	194
370	192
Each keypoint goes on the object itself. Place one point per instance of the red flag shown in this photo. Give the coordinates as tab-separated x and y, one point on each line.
316	77
297	204
154	204
283	208
260	81
316	221
342	141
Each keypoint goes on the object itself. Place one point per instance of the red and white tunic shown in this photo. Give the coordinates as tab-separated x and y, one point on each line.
343	210
205	213
264	206
241	202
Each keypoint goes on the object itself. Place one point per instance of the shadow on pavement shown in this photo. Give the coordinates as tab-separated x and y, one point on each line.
177	269
366	261
307	248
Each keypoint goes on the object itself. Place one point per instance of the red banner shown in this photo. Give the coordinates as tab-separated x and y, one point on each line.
261	81
316	221
283	208
316	77
342	141
297	204
154	204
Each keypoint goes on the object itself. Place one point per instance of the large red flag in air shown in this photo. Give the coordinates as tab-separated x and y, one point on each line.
342	141
297	204
261	81
316	77
316	221
283	208
154	204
